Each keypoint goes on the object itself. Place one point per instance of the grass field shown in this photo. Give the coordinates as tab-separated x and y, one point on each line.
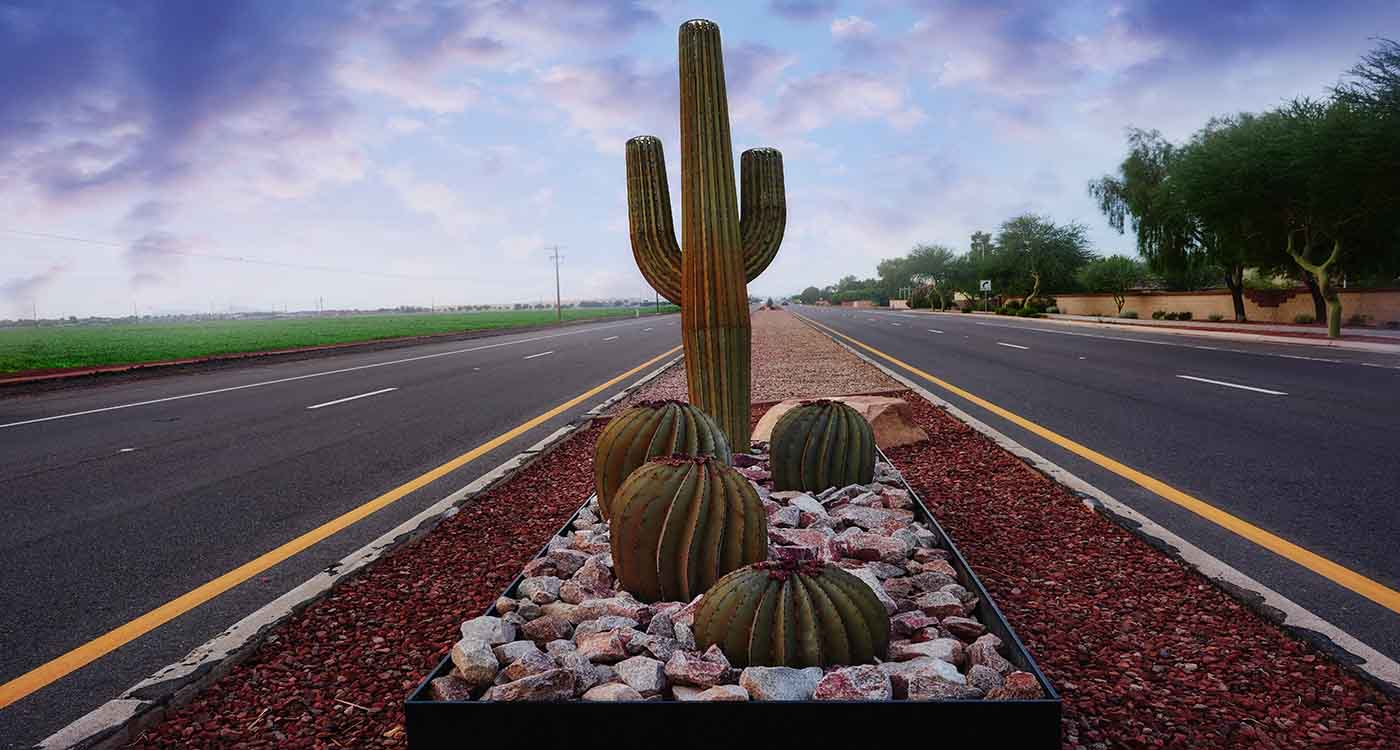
47	347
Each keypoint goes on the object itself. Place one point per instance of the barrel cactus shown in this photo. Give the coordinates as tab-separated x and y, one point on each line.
681	522
723	250
821	444
652	429
790	613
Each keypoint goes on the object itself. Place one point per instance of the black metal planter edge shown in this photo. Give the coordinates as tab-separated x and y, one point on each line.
1013	723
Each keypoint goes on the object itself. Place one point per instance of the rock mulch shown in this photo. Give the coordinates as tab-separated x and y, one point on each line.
780	342
571	633
1145	652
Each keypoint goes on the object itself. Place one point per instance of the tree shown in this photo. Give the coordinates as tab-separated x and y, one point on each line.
810	295
1031	251
1147	195
1115	274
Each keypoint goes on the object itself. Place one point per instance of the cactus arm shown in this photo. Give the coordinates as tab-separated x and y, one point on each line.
763	206
650	225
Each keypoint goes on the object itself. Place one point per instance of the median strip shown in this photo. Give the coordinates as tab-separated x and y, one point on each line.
353	398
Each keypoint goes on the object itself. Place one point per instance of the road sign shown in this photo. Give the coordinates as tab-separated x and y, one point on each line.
985	285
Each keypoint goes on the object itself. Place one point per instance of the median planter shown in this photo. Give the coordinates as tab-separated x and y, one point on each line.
565	652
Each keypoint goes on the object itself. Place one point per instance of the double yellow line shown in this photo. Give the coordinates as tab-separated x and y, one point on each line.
1341	575
96	648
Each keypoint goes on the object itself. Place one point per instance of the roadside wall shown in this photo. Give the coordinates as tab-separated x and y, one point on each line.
1383	305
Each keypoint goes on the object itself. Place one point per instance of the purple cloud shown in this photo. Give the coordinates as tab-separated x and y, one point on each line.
19	294
802	10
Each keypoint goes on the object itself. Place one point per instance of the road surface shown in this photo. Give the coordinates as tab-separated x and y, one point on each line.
121	496
1298	440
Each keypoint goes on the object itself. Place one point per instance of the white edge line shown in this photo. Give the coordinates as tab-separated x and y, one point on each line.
1233	385
541	354
934	330
1013	346
115	723
372	365
1234	582
352	398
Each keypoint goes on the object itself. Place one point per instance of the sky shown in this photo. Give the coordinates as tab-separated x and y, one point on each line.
415	153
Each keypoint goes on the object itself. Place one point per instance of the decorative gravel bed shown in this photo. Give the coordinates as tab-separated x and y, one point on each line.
1144	652
781	343
573	633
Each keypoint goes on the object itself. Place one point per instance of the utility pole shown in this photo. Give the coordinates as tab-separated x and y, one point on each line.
558	307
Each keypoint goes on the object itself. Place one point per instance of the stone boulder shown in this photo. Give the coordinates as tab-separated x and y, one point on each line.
892	419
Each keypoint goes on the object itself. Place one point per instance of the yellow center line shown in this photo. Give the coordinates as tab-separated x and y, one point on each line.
1341	575
89	652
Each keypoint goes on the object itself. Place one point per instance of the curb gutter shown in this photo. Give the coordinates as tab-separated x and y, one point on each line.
118	722
1368	663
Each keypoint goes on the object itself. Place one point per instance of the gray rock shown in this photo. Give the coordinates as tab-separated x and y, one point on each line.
509	652
939	604
567	561
787	517
586	673
606	622
552	686
493	631
685	668
450	688
722	694
807	504
530	663
612	692
661	626
540	589
868	577
564	611
984	678
475	662
557	648
644	674
862	683
950	650
606	647
685	638
526	610
780	683
901	673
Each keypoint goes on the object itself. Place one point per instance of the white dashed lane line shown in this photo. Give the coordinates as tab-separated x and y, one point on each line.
610	338
352	398
541	354
1013	346
1233	385
934	330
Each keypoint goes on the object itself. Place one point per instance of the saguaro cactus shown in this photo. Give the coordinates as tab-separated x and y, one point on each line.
723	250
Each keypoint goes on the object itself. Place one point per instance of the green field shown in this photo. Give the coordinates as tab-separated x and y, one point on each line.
96	345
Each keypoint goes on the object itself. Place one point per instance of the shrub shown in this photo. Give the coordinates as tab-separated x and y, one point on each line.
1052	310
1130	314
1159	314
966	308
1304	318
1172	316
1186	315
1216	317
1359	320
1029	312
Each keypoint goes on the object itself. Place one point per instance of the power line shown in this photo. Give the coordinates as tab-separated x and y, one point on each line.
242	259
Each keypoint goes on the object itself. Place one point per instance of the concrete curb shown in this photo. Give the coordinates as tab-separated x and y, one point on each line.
118	722
1371	665
1358	346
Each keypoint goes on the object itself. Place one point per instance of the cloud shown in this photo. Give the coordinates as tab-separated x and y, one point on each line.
802	10
447	204
613	99
19	295
155	258
856	37
813	102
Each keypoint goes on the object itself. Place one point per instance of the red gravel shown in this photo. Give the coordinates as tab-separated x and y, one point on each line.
336	674
1145	652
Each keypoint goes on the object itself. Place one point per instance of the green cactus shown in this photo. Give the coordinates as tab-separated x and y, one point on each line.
795	614
723	250
821	444
652	429
679	523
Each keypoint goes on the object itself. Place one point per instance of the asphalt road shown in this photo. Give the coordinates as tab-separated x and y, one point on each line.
1314	462
122	495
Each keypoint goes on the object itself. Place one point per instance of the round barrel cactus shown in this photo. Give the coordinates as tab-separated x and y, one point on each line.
650	430
679	523
788	613
821	444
